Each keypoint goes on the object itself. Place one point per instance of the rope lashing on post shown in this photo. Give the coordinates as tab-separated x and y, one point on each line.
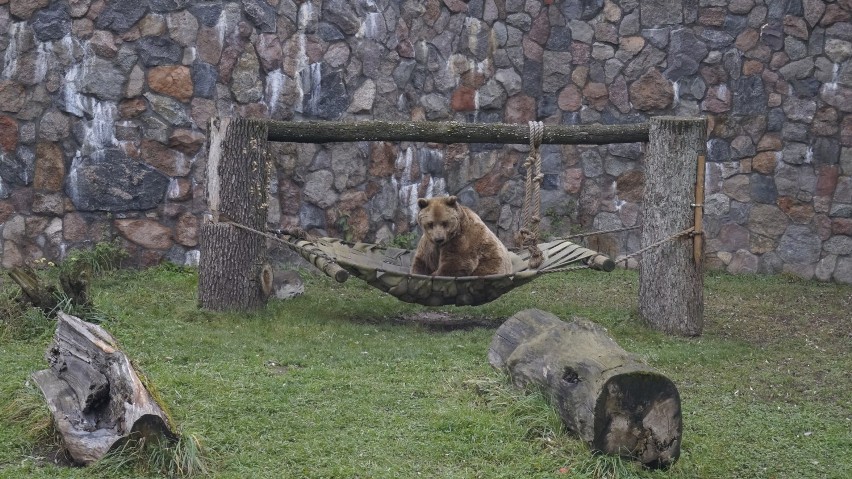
527	236
686	232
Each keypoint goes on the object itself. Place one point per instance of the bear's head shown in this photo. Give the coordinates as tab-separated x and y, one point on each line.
440	218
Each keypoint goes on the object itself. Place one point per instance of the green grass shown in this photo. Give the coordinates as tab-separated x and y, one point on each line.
337	383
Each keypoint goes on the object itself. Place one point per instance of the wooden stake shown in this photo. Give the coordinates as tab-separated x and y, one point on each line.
698	233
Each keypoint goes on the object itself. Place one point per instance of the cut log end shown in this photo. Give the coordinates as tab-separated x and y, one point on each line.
638	415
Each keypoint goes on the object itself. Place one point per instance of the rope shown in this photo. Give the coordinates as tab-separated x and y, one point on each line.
600	232
673	237
527	237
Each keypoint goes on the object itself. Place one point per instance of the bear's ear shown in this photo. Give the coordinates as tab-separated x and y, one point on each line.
422	203
450	200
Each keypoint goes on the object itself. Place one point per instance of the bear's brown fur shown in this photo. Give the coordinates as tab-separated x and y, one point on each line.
456	242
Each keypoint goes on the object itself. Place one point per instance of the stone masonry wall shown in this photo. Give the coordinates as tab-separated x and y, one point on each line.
104	107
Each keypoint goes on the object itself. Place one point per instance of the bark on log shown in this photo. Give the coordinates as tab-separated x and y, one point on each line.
610	398
94	394
33	290
671	282
231	262
451	132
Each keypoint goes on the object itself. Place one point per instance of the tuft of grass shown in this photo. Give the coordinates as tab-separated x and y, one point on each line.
182	458
102	258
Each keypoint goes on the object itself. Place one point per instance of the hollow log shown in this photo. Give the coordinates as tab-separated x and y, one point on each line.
608	397
94	394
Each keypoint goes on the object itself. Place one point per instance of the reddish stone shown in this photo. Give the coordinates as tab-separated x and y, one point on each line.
765	162
834	13
846	131
463	99
712	17
607	33
631	44
825	122
172	80
382	159
187	141
180	189
752	67
841	226
796	27
597	95
8	134
779	59
520	109
186	230
269	52
12	96
651	91
289	195
7	209
49	167
580	53
713	74
23	9
800	213
132	107
822	226
570	99
770	142
747	40
572	180
456	6
827	176
490	184
532	50
837	96
208	47
202	110
103	44
145	232
630	186
740	7
540	29
717	100
170	162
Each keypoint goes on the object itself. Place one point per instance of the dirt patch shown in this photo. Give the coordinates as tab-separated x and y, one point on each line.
440	321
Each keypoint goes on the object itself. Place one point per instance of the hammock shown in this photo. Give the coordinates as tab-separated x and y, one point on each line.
388	269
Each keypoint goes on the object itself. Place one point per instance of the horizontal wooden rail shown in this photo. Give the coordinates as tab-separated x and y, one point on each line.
451	132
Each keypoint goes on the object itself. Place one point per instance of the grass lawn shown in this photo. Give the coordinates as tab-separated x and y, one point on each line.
339	383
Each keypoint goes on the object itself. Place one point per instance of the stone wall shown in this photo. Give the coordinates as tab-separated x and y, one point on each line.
104	106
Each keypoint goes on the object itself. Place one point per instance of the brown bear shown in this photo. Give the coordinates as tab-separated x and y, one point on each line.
456	242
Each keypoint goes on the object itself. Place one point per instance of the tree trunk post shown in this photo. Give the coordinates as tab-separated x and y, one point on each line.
671	282
232	264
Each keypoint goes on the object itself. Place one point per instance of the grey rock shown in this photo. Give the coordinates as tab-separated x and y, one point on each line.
581	31
341	14
169	109
839	245
52	23
732	62
120	15
559	39
716	38
155	51
114	183
329	32
492	96
749	95
532	78
795	48
319	189
798	69
843	270
102	79
163	6
718	150
655	13
18	168
349	165
245	79
772	34
826	151
775	119
204	78
260	13
825	268
556	70
685	53
763	189
327	98
311	217
658	37
799	245
206	13
630	25
581	9
795	153
437	106
796	181
767	220
521	21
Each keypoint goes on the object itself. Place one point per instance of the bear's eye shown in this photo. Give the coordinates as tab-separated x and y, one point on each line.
445	224
430	225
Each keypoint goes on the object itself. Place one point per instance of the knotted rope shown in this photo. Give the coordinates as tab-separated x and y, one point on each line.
527	237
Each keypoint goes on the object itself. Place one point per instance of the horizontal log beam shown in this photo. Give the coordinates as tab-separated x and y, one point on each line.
451	132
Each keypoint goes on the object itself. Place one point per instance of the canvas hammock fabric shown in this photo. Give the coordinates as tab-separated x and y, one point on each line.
388	269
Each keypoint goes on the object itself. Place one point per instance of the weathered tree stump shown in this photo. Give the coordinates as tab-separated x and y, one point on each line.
610	398
94	394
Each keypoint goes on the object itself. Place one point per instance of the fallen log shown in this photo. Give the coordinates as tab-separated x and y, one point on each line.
94	394
608	397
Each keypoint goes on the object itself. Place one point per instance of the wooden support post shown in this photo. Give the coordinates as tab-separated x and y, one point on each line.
608	397
671	283
230	270
698	233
